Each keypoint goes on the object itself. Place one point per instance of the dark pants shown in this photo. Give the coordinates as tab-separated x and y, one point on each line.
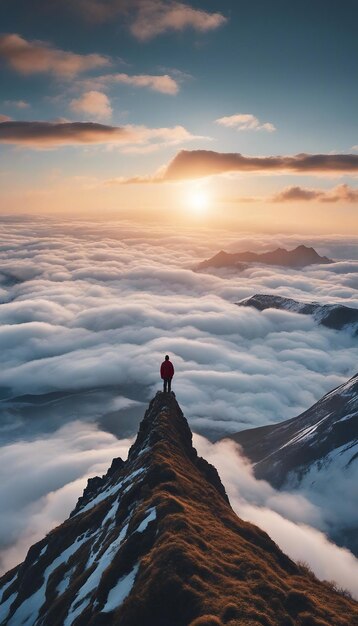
167	382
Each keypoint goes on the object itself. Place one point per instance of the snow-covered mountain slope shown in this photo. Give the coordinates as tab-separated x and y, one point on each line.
337	316
155	542
316	453
299	257
329	427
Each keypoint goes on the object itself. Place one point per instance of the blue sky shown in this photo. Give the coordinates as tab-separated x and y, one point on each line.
289	65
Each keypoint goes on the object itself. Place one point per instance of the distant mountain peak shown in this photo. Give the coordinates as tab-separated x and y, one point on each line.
155	542
298	257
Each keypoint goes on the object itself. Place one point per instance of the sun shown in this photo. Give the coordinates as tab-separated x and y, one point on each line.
198	201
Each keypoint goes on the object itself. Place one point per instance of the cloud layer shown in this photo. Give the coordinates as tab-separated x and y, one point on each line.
65	313
94	306
40	495
39	57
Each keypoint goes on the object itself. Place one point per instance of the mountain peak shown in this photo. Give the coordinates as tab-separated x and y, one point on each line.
156	542
299	257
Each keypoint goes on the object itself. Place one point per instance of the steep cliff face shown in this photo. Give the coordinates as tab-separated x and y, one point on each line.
156	543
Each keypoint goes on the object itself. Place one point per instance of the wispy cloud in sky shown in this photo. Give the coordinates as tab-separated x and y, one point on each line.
295	193
245	121
18	104
33	57
157	17
343	193
149	18
162	83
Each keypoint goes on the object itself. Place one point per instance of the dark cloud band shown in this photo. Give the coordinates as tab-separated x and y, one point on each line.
54	134
49	134
198	163
191	164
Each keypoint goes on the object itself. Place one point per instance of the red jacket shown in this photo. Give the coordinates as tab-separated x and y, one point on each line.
167	369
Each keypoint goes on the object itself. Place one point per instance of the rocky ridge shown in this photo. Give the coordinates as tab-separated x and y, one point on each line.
155	542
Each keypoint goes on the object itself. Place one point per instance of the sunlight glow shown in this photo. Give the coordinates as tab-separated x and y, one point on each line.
198	201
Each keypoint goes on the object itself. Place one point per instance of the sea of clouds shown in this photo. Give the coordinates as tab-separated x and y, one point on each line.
88	310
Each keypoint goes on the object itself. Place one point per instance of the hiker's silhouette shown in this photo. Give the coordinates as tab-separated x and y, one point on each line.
167	373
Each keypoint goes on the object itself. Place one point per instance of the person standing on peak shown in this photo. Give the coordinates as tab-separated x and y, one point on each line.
167	373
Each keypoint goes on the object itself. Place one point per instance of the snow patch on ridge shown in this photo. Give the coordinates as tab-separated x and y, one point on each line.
119	593
5	607
83	597
110	491
64	583
28	611
152	515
